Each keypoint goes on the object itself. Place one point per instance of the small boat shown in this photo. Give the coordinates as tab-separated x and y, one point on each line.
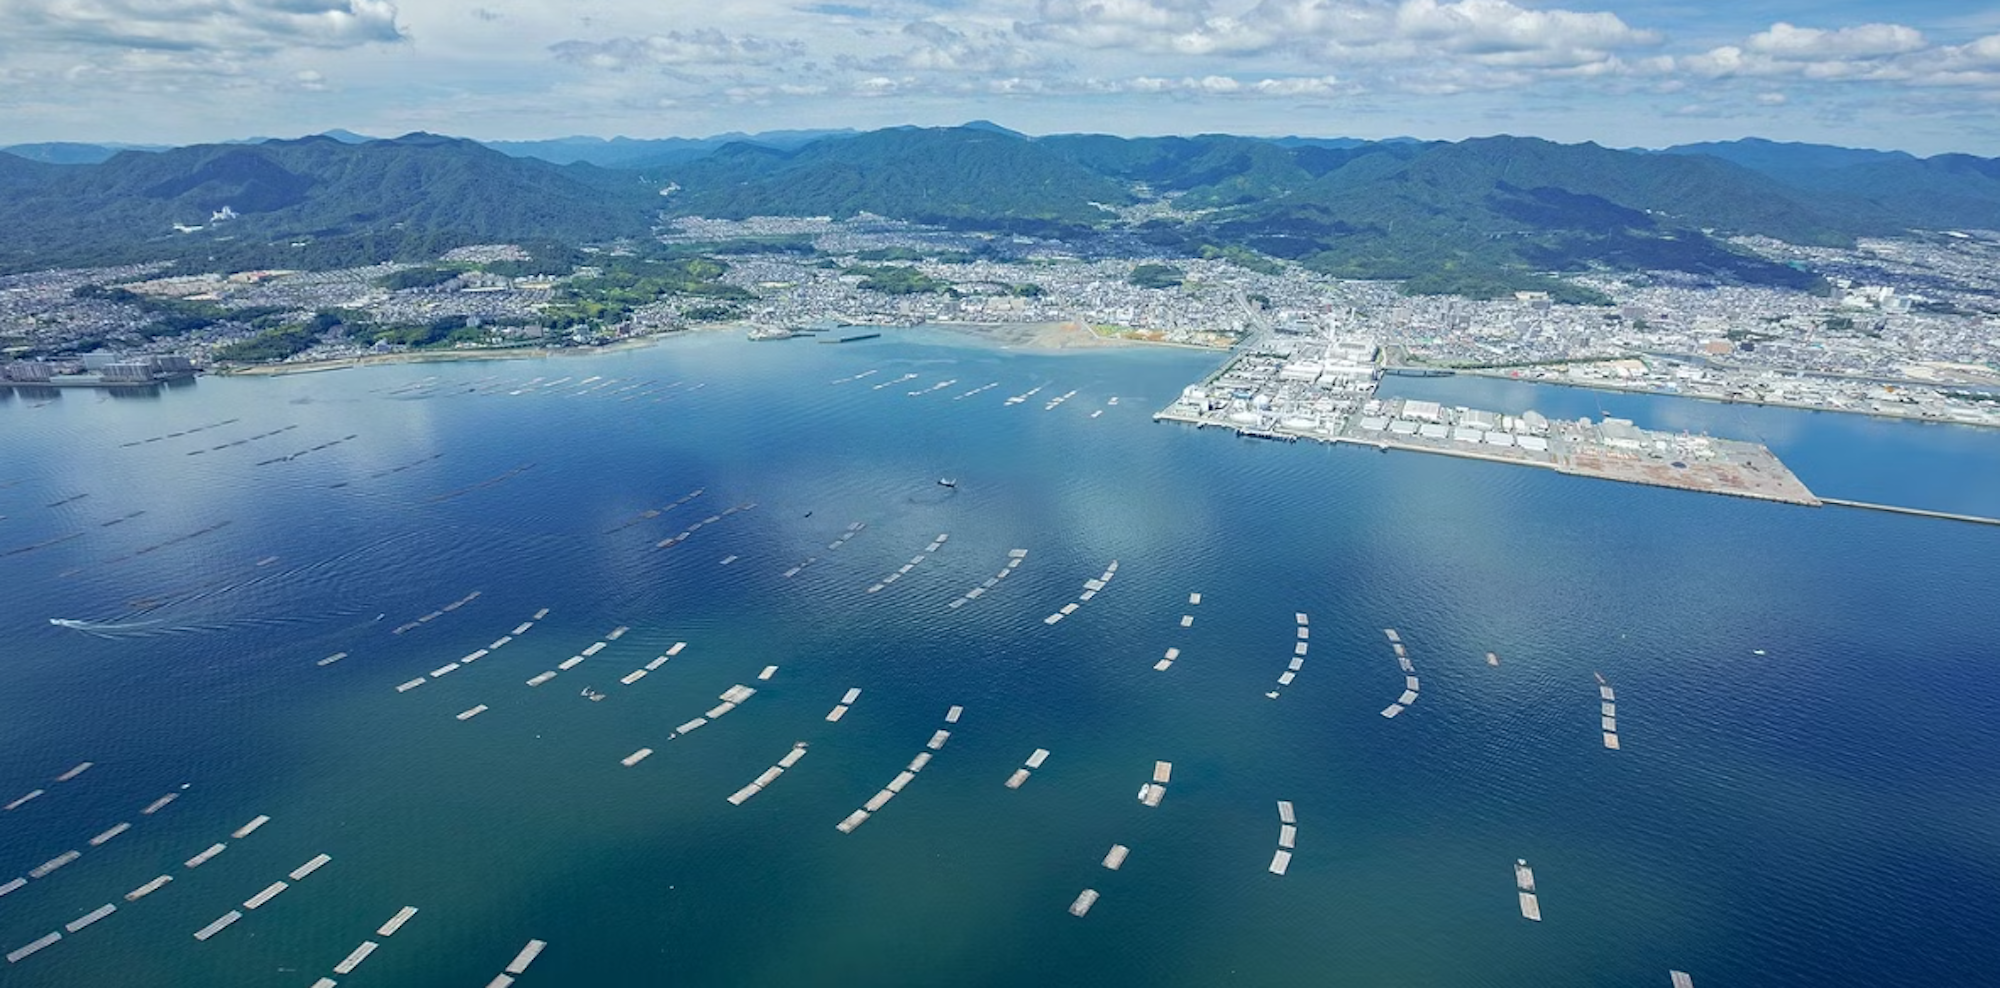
947	482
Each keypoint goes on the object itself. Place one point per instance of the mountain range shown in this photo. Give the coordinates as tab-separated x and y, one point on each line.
1474	216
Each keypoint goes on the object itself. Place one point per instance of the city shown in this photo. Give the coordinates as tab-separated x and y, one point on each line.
1904	329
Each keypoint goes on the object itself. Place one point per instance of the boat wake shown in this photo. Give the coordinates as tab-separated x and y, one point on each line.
108	629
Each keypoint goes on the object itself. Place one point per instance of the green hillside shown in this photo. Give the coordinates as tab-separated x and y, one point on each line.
309	203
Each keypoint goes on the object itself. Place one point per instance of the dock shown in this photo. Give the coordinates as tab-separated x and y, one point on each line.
1911	512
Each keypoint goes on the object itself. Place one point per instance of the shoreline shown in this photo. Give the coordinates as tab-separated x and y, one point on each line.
1725	400
429	357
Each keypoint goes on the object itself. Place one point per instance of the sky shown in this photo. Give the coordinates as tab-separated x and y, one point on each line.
1919	75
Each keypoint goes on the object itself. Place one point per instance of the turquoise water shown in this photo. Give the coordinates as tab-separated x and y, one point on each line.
1826	812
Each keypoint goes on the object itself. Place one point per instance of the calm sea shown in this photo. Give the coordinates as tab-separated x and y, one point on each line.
1807	790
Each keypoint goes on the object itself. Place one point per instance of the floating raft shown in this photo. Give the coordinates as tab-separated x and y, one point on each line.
1280	861
617	633
441	670
519	965
938	739
13	885
1288	836
1285	811
1524	876
1608	710
543	678
203	858
24	799
767	673
412	684
854	819
250	828
270	892
73	773
1187	620
1163	772
90	917
470	713
353	960
951	716
1115	858
43	869
1531	907
1194	598
636	757
396	922
98	841
1084	900
148	889
1681	979
18	954
221	923
1151	794
318	862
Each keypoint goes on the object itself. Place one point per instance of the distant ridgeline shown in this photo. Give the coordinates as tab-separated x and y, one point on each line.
1477	217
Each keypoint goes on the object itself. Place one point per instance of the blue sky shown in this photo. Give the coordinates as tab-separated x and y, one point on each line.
1921	76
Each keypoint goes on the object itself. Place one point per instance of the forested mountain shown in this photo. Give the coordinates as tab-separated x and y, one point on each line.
1477	215
308	202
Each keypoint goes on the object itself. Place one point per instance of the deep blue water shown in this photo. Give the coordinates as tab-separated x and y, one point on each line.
1826	812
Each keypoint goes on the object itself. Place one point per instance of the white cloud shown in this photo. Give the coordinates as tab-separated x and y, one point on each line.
253	27
1788	43
677	49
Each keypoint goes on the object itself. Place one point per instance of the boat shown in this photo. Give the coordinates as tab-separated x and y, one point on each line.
947	482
